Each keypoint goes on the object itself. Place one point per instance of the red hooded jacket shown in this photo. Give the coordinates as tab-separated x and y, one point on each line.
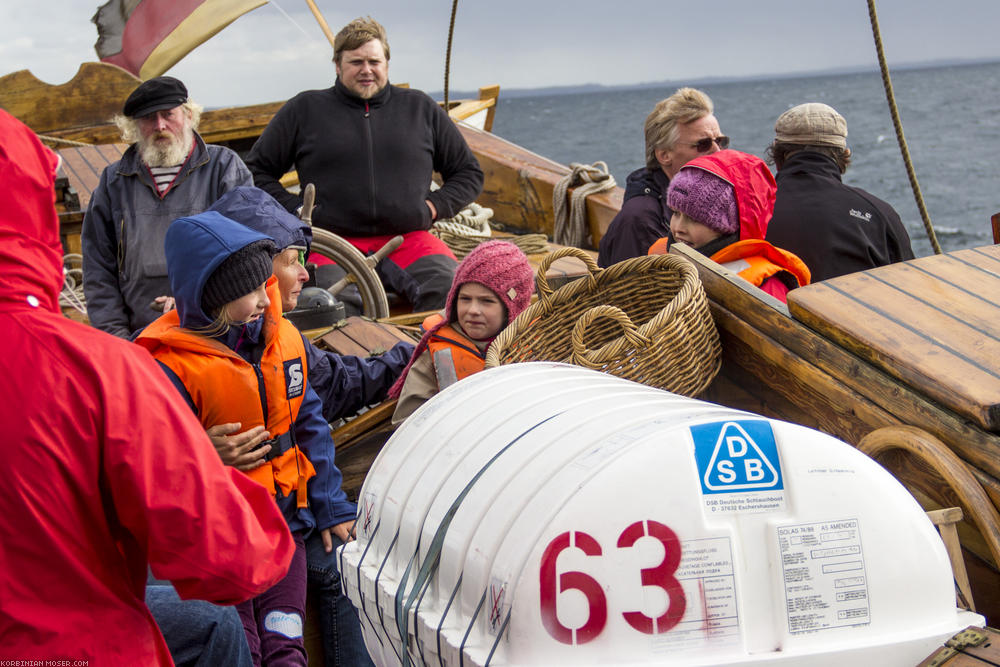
106	471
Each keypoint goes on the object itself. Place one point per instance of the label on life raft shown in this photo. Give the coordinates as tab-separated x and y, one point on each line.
823	569
738	467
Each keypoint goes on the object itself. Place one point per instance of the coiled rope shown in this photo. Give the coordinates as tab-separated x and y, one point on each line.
571	228
891	99
471	226
71	295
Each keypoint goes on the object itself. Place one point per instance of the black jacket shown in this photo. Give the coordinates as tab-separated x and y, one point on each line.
370	160
644	218
834	228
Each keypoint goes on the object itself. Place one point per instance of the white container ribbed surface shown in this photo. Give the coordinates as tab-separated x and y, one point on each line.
544	514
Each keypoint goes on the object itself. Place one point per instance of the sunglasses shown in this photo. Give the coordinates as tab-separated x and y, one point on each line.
302	257
705	145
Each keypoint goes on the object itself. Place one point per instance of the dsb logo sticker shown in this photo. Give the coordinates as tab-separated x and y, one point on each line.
737	457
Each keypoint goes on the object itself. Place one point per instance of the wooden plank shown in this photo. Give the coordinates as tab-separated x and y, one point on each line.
341	343
930	323
973	647
357	333
485	93
976	446
812	397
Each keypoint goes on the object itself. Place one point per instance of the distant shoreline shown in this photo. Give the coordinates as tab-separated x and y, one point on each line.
711	80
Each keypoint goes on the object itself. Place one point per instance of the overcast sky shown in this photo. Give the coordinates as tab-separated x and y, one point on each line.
265	56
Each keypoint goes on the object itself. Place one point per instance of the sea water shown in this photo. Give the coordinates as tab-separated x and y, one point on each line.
950	118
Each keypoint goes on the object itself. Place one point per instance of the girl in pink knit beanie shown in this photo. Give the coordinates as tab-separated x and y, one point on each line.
492	285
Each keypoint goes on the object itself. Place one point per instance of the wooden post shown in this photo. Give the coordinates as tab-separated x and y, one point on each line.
321	20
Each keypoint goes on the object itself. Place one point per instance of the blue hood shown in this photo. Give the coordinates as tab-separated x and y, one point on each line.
261	212
195	246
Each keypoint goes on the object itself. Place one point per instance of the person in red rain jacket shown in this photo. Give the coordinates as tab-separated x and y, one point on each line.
106	472
722	203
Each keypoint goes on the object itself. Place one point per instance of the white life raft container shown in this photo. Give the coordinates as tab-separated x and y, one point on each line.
545	514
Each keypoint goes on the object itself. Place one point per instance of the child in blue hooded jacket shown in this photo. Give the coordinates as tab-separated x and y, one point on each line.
235	359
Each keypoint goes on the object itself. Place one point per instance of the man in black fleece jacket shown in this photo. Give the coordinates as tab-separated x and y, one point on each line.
833	227
371	149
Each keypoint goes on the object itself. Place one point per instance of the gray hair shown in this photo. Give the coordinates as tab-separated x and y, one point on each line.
128	127
684	106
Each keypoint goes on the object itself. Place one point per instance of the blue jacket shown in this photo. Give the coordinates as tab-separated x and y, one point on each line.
122	237
344	384
195	246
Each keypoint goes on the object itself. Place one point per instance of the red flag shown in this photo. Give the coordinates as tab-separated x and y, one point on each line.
148	37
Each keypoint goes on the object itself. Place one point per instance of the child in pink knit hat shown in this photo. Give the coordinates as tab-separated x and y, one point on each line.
492	285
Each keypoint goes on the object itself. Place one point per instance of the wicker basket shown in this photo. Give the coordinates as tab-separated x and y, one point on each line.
644	319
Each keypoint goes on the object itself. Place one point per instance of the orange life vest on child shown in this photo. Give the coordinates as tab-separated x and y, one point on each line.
756	260
466	358
227	388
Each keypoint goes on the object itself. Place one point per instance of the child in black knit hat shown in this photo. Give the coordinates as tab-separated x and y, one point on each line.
235	359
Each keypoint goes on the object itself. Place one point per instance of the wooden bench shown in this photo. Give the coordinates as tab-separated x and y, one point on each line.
932	322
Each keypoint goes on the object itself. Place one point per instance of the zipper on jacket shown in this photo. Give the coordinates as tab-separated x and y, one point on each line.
260	390
373	211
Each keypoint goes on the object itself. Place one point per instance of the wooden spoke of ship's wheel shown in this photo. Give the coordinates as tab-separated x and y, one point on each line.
934	459
360	270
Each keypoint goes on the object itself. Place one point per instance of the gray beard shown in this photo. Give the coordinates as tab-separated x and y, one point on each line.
172	155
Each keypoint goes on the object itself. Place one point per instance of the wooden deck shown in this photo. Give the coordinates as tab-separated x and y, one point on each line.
933	323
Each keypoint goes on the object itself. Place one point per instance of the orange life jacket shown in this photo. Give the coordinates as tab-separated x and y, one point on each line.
466	358
756	260
226	388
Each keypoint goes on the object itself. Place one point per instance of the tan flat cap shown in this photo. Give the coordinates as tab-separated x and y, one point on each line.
811	124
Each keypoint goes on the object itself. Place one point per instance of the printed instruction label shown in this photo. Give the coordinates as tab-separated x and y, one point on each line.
710	616
738	467
824	574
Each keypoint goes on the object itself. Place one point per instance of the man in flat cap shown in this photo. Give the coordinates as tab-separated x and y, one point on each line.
168	172
834	228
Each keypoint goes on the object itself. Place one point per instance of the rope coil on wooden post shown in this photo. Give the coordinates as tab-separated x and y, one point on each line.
645	319
571	228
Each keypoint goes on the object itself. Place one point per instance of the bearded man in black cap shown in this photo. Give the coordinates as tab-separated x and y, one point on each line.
168	172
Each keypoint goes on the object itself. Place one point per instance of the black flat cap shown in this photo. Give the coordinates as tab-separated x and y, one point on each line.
163	92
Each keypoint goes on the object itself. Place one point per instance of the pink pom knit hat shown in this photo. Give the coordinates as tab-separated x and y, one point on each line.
501	267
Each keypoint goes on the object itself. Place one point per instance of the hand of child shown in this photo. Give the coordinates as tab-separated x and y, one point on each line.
344	531
163	303
240	450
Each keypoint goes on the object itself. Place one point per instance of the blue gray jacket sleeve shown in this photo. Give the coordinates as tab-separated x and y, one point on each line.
345	384
106	308
327	499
